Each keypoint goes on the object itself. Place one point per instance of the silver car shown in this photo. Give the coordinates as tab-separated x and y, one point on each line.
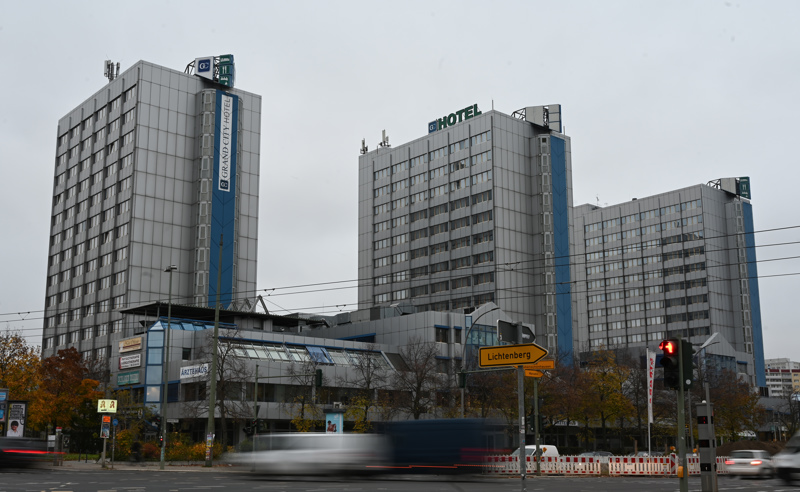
750	463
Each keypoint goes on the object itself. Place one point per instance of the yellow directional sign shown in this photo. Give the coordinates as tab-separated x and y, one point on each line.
532	373
511	355
543	365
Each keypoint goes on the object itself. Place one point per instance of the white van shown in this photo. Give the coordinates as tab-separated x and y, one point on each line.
530	449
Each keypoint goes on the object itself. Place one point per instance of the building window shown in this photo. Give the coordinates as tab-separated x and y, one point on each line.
442	334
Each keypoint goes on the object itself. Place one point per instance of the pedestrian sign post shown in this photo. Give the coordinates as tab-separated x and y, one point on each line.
511	355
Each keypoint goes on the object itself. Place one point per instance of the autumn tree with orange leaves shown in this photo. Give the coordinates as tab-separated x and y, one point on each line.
65	396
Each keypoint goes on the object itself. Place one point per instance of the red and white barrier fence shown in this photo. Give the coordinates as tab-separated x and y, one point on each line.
591	465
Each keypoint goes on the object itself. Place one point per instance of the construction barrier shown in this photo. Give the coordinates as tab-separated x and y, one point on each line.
592	465
641	465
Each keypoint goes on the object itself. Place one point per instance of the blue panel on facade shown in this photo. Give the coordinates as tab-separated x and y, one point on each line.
558	159
223	198
755	302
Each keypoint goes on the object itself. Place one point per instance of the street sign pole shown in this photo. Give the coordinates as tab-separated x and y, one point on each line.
536	426
684	477
523	455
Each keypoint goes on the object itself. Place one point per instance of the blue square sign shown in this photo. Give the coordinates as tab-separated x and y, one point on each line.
432	127
204	65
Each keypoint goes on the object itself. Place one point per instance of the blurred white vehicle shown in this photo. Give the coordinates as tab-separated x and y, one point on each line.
315	453
787	462
547	450
751	463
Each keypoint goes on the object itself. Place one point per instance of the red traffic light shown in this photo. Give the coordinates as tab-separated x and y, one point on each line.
668	346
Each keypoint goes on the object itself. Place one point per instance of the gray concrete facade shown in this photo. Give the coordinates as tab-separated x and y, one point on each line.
132	196
474	212
677	263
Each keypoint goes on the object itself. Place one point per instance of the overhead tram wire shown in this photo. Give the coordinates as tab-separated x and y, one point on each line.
577	264
522	295
574	282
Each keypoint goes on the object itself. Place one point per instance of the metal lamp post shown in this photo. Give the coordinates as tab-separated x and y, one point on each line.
464	350
164	377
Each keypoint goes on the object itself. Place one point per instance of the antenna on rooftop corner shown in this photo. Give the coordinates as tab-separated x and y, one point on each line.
111	70
364	147
384	140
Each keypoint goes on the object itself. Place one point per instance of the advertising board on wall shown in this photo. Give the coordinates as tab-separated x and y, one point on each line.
130	361
130	345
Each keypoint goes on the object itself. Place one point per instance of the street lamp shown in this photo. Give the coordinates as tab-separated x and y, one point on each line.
165	375
464	349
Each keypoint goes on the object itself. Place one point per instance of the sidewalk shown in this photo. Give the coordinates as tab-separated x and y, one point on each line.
219	466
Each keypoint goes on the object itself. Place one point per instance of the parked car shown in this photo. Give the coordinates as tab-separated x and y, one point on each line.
750	463
787	462
547	450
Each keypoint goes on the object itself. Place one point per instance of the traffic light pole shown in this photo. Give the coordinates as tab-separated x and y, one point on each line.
682	477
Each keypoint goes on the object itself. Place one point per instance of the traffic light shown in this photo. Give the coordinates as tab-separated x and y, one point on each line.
687	353
160	441
318	378
670	362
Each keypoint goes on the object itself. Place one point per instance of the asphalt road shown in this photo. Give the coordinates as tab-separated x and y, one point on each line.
91	478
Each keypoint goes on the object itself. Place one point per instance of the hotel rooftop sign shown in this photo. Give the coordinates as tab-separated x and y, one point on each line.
453	118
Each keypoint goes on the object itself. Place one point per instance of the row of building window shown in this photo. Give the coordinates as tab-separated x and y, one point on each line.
84	289
89	181
422	252
104	306
433	155
98	116
432	193
636	277
647	260
653	336
414	273
649	214
645	230
83	334
432	212
648	321
649	290
93	200
97	143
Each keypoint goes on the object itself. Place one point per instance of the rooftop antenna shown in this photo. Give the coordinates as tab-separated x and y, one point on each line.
384	140
364	148
111	70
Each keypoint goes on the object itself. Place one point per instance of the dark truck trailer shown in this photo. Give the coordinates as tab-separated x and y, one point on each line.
438	446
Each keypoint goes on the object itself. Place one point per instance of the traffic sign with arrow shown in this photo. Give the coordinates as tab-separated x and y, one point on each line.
511	355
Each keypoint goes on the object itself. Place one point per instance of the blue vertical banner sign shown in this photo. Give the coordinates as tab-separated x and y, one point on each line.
558	158
223	197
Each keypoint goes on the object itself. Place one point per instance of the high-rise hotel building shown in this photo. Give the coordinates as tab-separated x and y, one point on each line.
679	263
477	210
150	172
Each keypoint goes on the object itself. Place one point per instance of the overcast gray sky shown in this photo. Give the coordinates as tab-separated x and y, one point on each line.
656	96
